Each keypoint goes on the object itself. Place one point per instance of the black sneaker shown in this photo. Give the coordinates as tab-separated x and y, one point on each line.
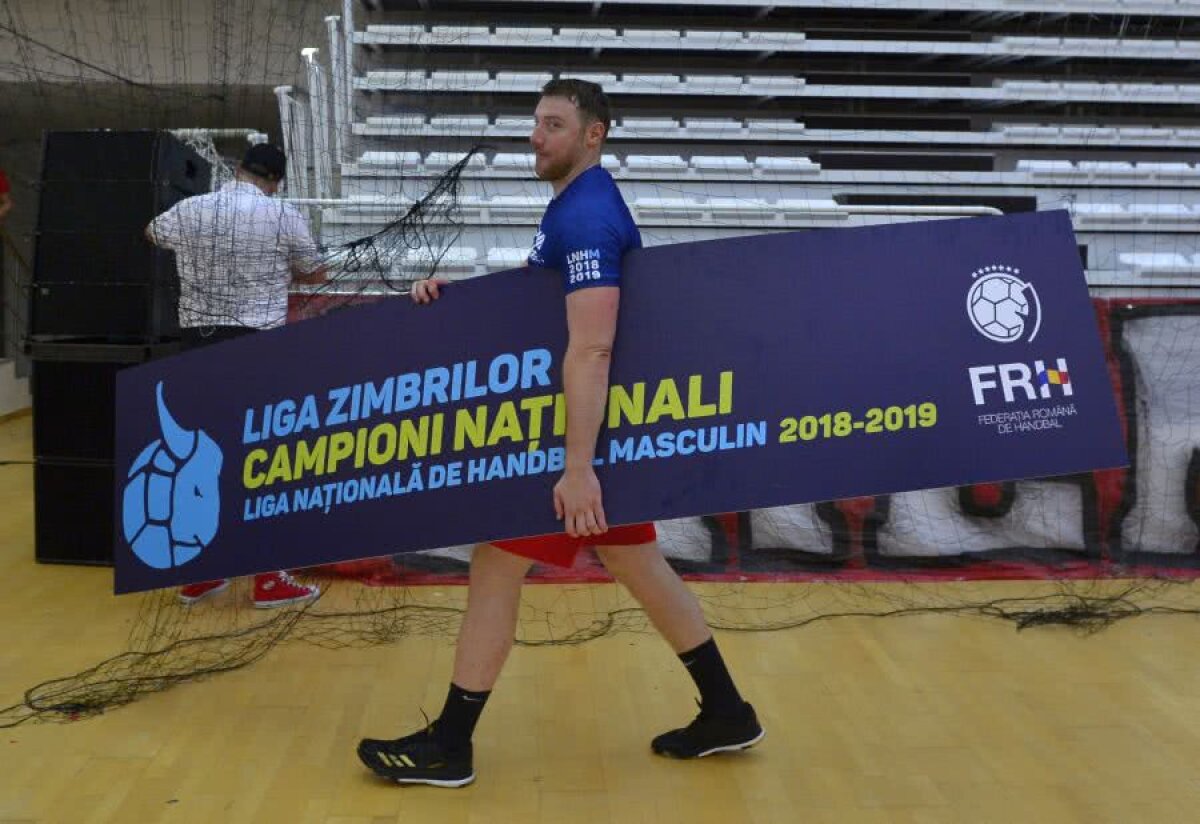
710	734
418	759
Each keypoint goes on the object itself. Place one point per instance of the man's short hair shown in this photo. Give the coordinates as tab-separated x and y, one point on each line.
587	96
265	161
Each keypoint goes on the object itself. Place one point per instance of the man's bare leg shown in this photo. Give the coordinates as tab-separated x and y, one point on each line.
671	606
442	753
726	722
490	624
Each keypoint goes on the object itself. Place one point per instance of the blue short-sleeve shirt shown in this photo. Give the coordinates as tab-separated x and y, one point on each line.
585	232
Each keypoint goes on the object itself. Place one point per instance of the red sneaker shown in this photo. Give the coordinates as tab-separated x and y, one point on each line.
277	589
192	593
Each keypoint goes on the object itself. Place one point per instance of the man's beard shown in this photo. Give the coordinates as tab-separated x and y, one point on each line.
553	170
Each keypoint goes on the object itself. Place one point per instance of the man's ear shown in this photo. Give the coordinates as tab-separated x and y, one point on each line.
595	134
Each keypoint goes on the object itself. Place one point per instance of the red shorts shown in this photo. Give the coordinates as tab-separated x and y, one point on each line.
561	549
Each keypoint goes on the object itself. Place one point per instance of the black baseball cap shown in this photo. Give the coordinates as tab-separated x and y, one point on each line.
266	161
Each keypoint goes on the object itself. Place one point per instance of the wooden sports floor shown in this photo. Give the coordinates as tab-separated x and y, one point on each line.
930	718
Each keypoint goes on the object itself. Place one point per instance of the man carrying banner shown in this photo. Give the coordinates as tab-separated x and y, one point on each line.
237	251
584	233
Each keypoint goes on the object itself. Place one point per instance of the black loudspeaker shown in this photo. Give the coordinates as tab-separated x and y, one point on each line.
73	512
105	311
74	410
95	275
74	418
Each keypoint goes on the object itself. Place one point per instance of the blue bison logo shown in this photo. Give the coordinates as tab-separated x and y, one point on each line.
172	501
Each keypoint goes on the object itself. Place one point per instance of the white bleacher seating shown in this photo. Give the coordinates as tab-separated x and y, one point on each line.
774	39
656	163
650	83
1108	168
652	37
1088	212
768	166
1088	41
1024	42
529	36
1165	212
1024	130
649	126
1142	133
455	33
521	81
514	121
401	121
1169	171
397	31
1084	134
1156	48
1136	90
438	162
712	40
1036	88
507	257
766	129
774	85
603	78
461	123
454	261
713	83
733	157
1159	262
587	37
726	164
521	207
796	211
742	209
697	128
512	162
459	80
524	36
1049	168
389	79
669	208
761	210
459	255
398	160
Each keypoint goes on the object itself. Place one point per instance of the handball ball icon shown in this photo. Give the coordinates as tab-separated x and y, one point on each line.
172	503
1001	307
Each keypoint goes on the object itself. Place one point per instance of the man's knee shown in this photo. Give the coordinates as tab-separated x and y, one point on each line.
625	560
492	561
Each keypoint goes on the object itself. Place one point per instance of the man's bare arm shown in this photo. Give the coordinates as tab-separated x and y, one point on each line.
591	328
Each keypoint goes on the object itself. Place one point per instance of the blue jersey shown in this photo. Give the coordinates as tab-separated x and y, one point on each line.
585	232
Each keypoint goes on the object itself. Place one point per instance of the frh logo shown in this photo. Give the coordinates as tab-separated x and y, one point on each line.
1011	378
1002	307
172	500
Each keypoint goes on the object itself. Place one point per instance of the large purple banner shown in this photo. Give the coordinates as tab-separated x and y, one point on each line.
748	373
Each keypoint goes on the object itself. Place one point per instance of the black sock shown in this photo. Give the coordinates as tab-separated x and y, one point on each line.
718	695
455	726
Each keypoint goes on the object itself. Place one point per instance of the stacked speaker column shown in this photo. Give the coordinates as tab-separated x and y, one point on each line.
103	298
